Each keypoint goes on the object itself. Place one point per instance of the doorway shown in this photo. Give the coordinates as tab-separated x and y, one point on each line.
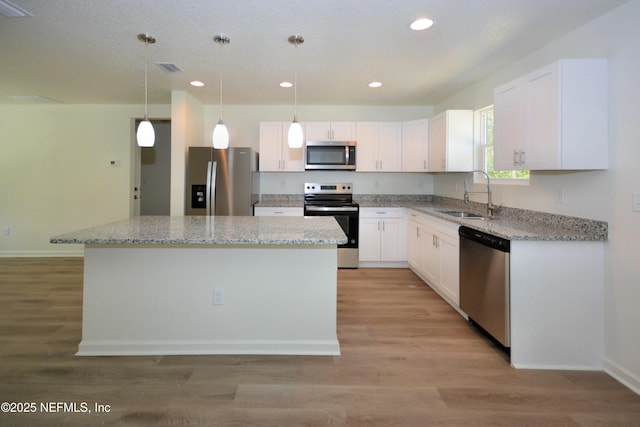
152	190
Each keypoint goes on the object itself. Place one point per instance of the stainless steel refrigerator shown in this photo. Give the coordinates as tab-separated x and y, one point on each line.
222	182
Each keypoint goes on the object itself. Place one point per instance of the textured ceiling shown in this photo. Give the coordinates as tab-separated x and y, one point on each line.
87	52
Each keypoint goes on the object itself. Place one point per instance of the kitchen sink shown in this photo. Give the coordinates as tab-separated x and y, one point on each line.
461	214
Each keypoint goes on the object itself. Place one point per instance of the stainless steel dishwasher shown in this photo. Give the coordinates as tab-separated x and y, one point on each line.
484	282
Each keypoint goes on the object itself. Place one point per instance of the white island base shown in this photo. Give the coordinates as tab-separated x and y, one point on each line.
159	300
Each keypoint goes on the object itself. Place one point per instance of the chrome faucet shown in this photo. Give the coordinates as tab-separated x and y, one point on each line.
491	208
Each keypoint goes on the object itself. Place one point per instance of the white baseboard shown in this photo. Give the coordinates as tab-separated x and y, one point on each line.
623	375
191	347
42	254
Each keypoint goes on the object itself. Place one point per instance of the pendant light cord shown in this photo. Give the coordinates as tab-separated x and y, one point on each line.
146	67
221	63
295	82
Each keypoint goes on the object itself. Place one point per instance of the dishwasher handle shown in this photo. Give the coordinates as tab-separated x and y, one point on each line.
485	239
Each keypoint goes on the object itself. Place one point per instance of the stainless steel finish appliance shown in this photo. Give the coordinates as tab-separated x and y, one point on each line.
222	182
330	155
336	199
484	282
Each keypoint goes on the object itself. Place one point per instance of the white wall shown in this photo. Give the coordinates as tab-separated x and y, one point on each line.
55	175
604	195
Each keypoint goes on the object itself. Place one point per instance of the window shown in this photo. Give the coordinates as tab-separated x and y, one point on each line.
485	138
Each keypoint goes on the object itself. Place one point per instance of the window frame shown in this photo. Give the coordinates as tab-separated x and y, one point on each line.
482	148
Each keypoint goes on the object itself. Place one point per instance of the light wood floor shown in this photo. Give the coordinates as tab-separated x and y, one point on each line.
408	359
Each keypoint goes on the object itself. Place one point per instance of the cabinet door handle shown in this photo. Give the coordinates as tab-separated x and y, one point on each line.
424	164
382	225
444	164
522	158
515	157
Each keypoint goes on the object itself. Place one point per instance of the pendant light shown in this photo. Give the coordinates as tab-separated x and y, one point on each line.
145	135
220	132
295	136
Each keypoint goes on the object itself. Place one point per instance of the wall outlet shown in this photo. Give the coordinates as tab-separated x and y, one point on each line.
635	207
6	231
560	195
218	296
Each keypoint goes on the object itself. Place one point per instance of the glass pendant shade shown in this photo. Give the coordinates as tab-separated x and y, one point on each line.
295	136
145	134
220	136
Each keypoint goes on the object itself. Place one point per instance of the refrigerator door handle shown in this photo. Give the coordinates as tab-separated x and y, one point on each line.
211	187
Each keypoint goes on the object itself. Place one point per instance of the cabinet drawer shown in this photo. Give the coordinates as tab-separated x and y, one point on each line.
275	211
382	212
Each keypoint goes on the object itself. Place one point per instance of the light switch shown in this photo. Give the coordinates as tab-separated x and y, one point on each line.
635	207
218	296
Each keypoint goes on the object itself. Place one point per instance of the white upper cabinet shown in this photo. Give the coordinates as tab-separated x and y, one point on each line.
415	146
451	141
275	154
554	118
379	146
330	131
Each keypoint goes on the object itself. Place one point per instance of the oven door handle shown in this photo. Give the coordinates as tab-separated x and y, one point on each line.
331	208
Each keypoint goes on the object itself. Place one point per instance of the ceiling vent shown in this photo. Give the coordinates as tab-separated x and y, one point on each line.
169	67
11	10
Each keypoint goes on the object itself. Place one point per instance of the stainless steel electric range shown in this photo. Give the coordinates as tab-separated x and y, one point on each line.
336	199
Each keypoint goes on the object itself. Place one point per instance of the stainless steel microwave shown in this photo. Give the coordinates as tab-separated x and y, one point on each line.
330	155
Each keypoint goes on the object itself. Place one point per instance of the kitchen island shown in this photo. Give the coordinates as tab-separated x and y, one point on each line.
209	285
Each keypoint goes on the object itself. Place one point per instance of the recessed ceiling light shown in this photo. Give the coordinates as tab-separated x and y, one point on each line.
374	84
286	84
197	83
421	24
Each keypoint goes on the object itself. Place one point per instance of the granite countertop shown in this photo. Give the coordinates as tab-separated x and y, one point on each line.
508	223
206	230
557	229
281	201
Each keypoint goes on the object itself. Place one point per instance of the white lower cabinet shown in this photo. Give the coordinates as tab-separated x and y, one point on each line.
381	235
433	254
278	211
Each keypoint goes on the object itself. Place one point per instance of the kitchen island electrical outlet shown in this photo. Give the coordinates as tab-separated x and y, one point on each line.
6	231
218	296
